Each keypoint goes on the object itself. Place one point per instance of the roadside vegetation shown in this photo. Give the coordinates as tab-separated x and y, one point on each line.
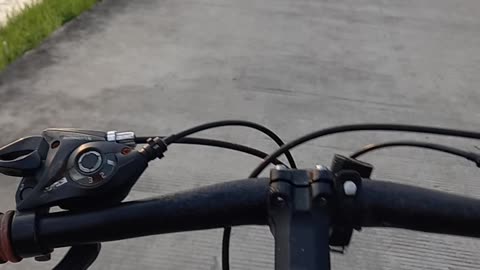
29	27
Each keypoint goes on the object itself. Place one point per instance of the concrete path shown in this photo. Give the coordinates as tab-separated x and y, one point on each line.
157	67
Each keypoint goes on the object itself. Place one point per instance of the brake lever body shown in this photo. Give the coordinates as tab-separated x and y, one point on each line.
23	157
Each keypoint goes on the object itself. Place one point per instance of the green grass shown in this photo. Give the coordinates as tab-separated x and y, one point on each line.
29	27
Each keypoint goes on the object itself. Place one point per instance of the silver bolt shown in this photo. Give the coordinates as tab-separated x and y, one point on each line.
350	188
278	201
111	135
124	137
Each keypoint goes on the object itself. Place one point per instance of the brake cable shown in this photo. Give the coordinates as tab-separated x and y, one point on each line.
173	138
362	127
432	146
216	143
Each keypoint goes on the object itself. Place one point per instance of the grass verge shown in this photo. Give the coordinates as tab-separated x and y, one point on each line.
30	26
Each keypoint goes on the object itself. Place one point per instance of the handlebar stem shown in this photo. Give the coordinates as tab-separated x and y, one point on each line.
299	215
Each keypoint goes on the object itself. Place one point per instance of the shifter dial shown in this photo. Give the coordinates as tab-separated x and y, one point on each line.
89	162
91	167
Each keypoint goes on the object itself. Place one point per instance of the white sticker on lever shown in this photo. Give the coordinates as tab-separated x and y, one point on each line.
56	184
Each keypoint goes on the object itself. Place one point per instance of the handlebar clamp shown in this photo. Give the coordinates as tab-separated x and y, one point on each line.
348	181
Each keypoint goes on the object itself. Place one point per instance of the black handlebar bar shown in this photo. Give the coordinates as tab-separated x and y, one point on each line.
229	204
242	202
387	204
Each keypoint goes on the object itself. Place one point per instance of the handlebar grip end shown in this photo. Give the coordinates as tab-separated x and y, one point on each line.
7	254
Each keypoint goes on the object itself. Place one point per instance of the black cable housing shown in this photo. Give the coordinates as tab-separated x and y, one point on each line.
216	143
170	139
362	127
432	146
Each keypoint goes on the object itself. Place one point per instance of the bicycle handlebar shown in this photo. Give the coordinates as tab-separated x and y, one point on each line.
89	173
241	202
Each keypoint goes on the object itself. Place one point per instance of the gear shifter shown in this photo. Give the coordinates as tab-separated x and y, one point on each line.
72	168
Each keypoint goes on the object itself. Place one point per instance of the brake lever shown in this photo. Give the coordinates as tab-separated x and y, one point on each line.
23	157
79	257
